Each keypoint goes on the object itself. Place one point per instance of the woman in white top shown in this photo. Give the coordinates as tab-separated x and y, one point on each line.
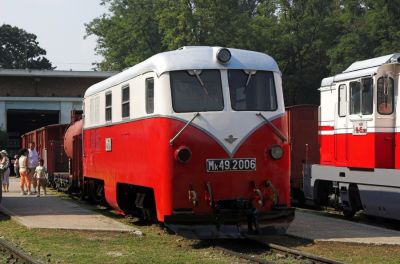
5	167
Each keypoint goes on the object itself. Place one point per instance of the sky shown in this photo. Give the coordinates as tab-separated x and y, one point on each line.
60	28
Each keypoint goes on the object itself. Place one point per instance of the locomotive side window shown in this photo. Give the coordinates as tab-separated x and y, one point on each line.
252	90
385	92
196	91
149	95
125	101
361	93
94	110
108	107
342	100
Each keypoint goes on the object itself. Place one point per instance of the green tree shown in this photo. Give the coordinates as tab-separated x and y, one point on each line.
303	35
128	35
20	50
206	22
310	39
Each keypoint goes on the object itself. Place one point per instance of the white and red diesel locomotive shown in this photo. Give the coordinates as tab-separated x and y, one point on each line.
196	138
359	140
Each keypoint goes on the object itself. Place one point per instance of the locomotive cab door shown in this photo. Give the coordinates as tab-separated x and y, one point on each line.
385	120
341	126
361	145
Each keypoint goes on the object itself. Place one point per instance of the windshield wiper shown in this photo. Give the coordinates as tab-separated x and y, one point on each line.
171	141
248	80
249	74
201	82
274	128
197	74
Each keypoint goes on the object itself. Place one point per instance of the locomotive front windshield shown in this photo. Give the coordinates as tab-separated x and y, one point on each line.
196	91
252	90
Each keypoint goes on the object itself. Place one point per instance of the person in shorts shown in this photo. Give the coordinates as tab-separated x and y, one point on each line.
23	172
41	177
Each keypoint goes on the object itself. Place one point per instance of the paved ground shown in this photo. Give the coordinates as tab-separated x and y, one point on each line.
322	228
54	212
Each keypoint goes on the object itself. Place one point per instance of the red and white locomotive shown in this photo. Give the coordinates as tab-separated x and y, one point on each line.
359	134
196	138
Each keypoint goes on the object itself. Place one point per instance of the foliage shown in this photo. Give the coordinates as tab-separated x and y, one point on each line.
20	50
310	39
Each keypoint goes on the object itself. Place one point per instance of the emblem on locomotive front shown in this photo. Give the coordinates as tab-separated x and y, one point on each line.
230	139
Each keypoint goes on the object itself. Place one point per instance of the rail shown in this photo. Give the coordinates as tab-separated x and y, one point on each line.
273	248
17	253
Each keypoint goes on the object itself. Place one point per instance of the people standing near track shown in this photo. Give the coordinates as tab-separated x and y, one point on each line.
41	177
5	168
33	162
16	166
23	172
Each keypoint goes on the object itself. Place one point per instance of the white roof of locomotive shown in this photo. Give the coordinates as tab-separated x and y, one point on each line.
187	58
361	68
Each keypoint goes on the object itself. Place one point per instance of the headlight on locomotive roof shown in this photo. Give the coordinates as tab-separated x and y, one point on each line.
276	152
223	55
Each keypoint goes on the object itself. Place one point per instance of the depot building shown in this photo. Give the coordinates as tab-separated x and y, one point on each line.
30	99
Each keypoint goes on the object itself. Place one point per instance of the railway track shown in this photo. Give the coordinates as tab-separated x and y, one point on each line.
281	251
14	255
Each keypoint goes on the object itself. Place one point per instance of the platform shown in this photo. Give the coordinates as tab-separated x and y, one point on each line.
52	211
322	228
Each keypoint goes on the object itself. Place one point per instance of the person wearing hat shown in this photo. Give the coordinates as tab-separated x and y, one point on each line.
5	168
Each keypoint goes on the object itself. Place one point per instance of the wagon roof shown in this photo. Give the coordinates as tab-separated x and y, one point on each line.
361	68
194	57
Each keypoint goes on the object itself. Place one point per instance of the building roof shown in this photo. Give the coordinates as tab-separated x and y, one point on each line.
189	58
361	68
52	73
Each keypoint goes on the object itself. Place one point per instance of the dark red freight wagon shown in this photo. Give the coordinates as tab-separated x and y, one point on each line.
49	142
304	145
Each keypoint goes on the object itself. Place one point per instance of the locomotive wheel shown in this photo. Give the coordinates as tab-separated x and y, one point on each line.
96	192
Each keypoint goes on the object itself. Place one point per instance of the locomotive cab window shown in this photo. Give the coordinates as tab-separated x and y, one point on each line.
361	97
196	91
149	95
385	95
252	90
108	107
125	101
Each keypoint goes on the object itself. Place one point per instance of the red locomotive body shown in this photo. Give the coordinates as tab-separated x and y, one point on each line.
195	138
358	124
165	138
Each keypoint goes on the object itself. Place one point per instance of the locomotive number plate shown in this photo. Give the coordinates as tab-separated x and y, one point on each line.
214	165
